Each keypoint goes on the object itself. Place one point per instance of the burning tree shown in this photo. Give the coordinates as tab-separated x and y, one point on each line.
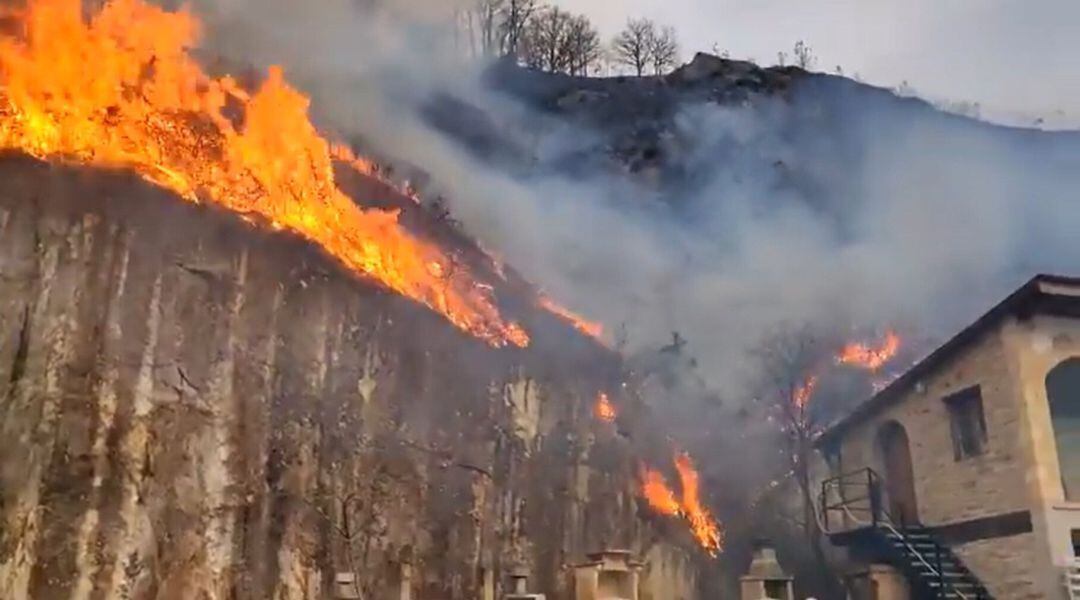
790	359
800	366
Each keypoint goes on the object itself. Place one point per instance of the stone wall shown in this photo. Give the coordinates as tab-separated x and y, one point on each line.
1037	345
1010	567
669	574
948	490
193	409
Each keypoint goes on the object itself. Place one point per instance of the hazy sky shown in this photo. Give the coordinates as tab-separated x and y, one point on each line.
1009	55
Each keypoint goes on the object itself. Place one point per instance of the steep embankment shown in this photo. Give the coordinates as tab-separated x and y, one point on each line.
632	123
192	407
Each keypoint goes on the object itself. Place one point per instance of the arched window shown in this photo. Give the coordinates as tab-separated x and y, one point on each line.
1063	393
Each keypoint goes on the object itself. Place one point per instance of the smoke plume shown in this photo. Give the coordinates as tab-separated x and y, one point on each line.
840	205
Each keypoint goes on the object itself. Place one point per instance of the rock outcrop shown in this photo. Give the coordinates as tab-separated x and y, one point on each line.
194	408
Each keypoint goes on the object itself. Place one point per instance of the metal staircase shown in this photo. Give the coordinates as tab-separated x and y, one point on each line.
854	515
1072	579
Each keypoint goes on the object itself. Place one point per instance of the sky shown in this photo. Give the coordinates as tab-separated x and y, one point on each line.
1019	60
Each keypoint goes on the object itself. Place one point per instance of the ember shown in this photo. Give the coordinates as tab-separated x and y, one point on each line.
663	500
147	105
870	357
603	409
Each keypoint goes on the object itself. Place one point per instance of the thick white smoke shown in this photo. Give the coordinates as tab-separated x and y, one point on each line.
892	214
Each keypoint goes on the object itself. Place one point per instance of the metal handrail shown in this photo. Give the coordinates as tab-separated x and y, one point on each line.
866	478
1072	579
938	572
879	515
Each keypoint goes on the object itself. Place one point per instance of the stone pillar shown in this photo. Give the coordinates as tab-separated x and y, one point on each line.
345	587
487	585
877	582
610	575
405	582
765	578
520	587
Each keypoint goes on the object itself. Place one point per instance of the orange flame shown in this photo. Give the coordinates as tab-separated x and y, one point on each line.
590	328
121	90
801	395
870	357
663	500
603	409
702	525
657	493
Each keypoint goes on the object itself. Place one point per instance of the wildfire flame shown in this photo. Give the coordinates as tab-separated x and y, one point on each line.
663	500
657	493
603	409
590	328
702	524
801	395
867	356
121	90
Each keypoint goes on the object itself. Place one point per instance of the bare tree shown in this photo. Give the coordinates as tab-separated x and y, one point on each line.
515	17
804	56
725	54
555	40
790	362
544	42
663	50
488	31
583	48
632	46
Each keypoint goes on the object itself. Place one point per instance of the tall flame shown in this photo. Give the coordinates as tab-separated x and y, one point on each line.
702	524
603	409
870	357
662	499
121	90
590	328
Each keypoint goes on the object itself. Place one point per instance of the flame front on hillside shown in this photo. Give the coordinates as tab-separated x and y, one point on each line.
662	499
121	90
590	328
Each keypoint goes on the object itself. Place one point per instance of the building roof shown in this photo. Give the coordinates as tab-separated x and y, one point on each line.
1047	294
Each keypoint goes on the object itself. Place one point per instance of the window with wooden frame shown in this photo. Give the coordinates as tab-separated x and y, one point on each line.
967	422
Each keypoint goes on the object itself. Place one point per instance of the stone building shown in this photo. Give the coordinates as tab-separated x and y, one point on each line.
964	473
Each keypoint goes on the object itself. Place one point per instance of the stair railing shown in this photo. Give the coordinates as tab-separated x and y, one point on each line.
937	572
879	516
1072	579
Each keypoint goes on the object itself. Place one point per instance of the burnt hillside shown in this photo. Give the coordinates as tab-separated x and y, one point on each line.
640	126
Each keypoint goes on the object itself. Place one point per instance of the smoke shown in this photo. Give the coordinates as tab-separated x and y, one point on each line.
840	206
